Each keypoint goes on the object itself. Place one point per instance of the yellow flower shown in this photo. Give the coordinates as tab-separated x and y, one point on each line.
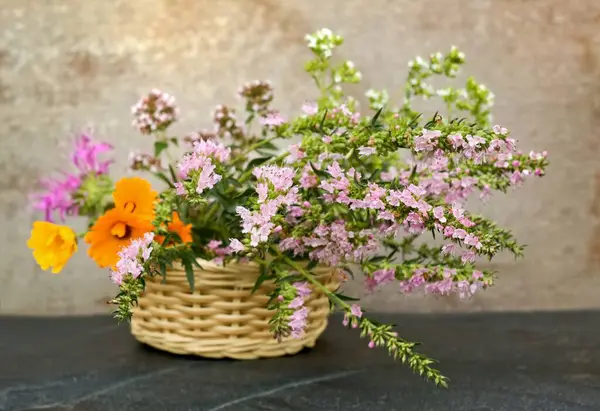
52	245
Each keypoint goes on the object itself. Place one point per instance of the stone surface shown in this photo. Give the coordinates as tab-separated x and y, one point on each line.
497	362
65	64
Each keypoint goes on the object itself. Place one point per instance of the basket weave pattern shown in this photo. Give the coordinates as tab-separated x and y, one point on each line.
222	319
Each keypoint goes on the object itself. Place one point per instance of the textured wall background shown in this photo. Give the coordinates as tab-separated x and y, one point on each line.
65	65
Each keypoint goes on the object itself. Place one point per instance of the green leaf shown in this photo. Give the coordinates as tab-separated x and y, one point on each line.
264	275
246	193
173	173
323	120
319	173
345	297
189	273
159	147
268	145
174	141
376	116
163	271
165	179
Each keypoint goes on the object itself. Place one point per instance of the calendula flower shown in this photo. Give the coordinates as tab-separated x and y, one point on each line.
52	245
135	195
184	231
112	231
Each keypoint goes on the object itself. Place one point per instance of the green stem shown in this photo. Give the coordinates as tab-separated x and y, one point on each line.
338	301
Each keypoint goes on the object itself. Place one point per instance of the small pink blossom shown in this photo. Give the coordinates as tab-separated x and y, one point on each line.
366	151
449	249
468	257
235	245
180	189
272	119
310	108
456	140
356	311
499	130
438	213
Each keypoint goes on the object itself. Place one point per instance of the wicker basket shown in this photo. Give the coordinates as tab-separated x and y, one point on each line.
222	319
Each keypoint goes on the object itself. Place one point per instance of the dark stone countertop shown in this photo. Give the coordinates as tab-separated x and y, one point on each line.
496	362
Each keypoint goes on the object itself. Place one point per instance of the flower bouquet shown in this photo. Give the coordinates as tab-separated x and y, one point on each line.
246	245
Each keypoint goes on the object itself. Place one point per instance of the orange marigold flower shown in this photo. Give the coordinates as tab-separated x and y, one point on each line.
112	231
184	231
52	245
135	195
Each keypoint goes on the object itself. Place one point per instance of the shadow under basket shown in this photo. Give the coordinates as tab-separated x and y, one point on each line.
222	319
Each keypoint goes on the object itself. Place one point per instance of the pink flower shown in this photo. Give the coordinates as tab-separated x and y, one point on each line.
468	257
473	241
180	189
427	141
131	258
208	178
499	130
296	153
366	151
459	234
296	303
214	244
310	108
282	178
448	231
272	119
302	289
262	190
154	112
235	245
356	311
448	249
438	213
456	140
85	155
59	194
58	197
213	149
380	278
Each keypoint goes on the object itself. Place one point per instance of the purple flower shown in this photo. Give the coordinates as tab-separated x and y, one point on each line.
58	195
86	153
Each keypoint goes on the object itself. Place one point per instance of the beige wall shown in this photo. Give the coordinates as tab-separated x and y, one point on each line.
67	64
